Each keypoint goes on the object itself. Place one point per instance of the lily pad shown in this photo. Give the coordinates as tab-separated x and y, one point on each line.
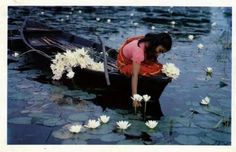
54	122
104	129
156	135
62	133
219	136
133	132
187	131
73	141
130	142
20	120
187	140
112	137
207	140
79	117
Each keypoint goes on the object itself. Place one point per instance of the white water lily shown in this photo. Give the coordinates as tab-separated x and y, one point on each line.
42	13
209	70
200	46
153	27
98	19
70	74
213	24
92	124
205	101
171	70
191	37
104	119
137	97
173	22
80	11
75	128
146	97
108	20
151	124
135	24
66	61
131	14
123	125
15	54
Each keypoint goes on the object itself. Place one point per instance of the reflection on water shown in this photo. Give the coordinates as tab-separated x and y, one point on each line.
48	107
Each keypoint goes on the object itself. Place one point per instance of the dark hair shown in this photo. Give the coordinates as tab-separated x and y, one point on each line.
154	40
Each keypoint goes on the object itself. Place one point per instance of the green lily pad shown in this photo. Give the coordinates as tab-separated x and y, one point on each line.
54	122
104	129
187	131
62	133
20	120
87	136
79	117
130	142
206	124
207	140
74	141
88	97
187	140
156	134
133	132
219	136
112	137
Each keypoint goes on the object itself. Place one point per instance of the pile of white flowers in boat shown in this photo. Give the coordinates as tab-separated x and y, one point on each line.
65	62
171	70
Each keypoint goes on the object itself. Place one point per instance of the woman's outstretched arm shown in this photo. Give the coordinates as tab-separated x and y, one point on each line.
134	81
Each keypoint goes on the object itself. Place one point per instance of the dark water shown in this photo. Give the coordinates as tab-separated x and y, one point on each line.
47	107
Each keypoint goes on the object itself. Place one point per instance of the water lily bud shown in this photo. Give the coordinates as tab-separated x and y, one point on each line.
200	46
98	19
191	37
108	20
135	24
173	22
15	54
146	97
132	14
153	27
205	101
213	24
80	11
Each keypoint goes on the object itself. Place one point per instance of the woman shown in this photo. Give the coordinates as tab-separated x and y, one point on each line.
138	56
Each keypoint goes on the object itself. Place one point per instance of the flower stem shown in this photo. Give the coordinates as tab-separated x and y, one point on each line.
145	108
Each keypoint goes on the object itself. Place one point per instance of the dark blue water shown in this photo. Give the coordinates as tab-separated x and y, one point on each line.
48	107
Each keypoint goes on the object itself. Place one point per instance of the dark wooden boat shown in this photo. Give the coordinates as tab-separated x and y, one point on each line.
50	41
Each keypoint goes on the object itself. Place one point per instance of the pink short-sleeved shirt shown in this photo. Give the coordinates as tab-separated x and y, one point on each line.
134	52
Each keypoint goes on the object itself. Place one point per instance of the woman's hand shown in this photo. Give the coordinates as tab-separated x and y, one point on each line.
136	104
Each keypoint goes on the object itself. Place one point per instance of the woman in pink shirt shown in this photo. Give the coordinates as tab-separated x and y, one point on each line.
138	56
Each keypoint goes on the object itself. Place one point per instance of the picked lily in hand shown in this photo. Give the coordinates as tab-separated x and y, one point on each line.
92	124
151	124
75	128
205	101
123	125
104	119
136	98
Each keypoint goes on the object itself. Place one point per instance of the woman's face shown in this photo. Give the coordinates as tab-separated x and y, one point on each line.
160	49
